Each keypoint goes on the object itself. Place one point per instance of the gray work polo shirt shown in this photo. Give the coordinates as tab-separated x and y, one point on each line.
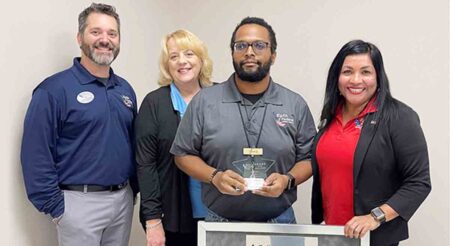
212	129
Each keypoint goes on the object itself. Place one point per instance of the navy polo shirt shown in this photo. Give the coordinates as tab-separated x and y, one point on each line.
77	131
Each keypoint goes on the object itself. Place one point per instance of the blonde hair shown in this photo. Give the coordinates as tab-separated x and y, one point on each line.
185	40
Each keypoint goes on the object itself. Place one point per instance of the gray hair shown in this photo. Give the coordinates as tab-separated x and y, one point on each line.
97	8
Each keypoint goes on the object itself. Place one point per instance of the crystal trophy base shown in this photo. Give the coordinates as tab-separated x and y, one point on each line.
254	183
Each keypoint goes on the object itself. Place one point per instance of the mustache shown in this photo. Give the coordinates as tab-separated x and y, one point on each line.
250	61
103	44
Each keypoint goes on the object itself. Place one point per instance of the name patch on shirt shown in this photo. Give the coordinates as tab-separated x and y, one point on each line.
85	97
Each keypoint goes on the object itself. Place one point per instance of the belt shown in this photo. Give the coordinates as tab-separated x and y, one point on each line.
93	188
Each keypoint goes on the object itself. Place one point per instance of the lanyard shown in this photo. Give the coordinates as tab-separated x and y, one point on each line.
248	120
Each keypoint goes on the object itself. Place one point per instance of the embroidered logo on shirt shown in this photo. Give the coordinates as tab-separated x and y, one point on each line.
85	97
283	119
127	101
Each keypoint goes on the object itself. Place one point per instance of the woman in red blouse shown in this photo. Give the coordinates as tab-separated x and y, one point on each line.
370	159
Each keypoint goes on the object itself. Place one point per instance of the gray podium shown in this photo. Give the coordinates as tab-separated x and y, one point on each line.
264	234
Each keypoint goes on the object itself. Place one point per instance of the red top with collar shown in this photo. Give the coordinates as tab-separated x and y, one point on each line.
335	153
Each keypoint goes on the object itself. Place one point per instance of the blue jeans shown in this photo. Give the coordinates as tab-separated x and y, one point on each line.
287	217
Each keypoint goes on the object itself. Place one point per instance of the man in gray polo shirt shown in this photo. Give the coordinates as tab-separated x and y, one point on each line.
247	139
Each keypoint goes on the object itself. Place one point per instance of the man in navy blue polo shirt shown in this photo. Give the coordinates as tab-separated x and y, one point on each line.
77	154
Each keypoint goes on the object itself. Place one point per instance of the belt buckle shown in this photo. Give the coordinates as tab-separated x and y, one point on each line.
85	188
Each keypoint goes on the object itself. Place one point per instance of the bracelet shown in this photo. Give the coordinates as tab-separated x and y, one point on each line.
213	174
148	226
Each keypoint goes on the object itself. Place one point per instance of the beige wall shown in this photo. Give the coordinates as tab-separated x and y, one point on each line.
413	36
39	40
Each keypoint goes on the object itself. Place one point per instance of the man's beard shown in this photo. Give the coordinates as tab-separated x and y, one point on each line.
101	59
252	76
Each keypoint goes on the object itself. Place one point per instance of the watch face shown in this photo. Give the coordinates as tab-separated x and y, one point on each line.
378	214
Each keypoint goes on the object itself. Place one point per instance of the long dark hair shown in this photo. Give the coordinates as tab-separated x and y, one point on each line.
384	101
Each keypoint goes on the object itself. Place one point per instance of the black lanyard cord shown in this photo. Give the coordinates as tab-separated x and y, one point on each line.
248	120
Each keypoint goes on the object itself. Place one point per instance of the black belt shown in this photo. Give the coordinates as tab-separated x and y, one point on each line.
93	188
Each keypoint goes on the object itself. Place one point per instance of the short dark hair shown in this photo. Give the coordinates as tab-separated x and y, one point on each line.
97	8
257	21
384	101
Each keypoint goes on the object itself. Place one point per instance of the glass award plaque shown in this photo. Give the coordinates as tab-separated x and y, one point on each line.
253	170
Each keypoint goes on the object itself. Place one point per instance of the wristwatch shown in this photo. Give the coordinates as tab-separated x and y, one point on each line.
378	215
291	181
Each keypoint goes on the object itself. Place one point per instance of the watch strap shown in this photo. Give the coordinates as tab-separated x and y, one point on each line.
291	181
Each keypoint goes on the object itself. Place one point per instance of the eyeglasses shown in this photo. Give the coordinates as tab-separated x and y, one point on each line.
258	46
